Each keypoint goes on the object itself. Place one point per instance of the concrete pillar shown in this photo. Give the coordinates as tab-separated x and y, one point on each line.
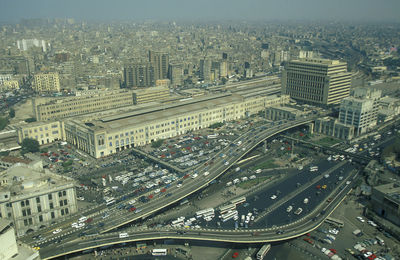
311	128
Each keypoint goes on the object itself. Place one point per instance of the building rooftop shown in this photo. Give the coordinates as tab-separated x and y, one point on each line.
119	122
319	61
21	180
392	190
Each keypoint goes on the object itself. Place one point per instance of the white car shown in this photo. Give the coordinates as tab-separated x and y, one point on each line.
74	225
179	185
57	231
372	223
273	197
361	219
82	219
333	231
226	163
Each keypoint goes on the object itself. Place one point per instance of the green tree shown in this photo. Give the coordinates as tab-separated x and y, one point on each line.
11	113
30	120
3	122
157	143
29	145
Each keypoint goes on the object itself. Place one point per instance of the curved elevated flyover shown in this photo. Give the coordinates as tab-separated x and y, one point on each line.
292	230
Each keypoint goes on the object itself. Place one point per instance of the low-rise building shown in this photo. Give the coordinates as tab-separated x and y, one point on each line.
83	104
32	197
10	249
332	127
111	134
43	132
385	200
282	112
150	94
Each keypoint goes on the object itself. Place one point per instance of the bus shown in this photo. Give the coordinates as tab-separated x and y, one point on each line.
110	201
238	200
377	137
336	222
159	252
263	251
204	212
298	211
228	215
227	208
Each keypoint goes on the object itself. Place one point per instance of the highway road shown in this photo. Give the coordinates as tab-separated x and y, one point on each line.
261	235
216	166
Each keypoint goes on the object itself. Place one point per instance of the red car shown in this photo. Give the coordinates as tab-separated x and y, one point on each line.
236	254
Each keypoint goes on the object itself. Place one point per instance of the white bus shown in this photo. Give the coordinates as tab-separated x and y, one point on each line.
178	222
203	212
227	208
228	215
239	200
263	251
110	201
159	252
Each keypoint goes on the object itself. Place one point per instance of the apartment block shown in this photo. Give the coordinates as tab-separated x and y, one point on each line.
46	82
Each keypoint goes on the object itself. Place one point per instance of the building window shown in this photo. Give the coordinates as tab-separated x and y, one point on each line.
37	200
61	203
50	197
29	212
24	213
22	203
39	208
25	222
30	221
59	194
62	212
64	193
65	202
66	211
53	215
40	218
51	205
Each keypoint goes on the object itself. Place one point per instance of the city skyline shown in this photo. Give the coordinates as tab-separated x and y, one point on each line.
312	10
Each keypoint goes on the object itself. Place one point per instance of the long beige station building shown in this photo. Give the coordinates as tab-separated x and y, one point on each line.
112	134
106	132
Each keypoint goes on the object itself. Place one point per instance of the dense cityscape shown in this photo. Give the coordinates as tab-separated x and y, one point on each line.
219	139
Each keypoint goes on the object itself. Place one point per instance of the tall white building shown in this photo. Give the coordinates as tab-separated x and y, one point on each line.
359	112
26	44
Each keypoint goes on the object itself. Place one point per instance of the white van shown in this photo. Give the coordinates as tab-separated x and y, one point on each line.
123	235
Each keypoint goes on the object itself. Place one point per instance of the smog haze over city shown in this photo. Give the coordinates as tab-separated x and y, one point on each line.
104	10
203	130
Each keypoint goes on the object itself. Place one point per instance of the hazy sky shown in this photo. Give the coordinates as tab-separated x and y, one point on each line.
348	10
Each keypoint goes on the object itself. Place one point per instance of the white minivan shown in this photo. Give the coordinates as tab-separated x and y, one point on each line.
123	235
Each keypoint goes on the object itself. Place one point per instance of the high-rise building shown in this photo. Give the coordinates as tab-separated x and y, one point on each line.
205	70
26	44
46	82
159	61
317	81
360	110
176	74
139	75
